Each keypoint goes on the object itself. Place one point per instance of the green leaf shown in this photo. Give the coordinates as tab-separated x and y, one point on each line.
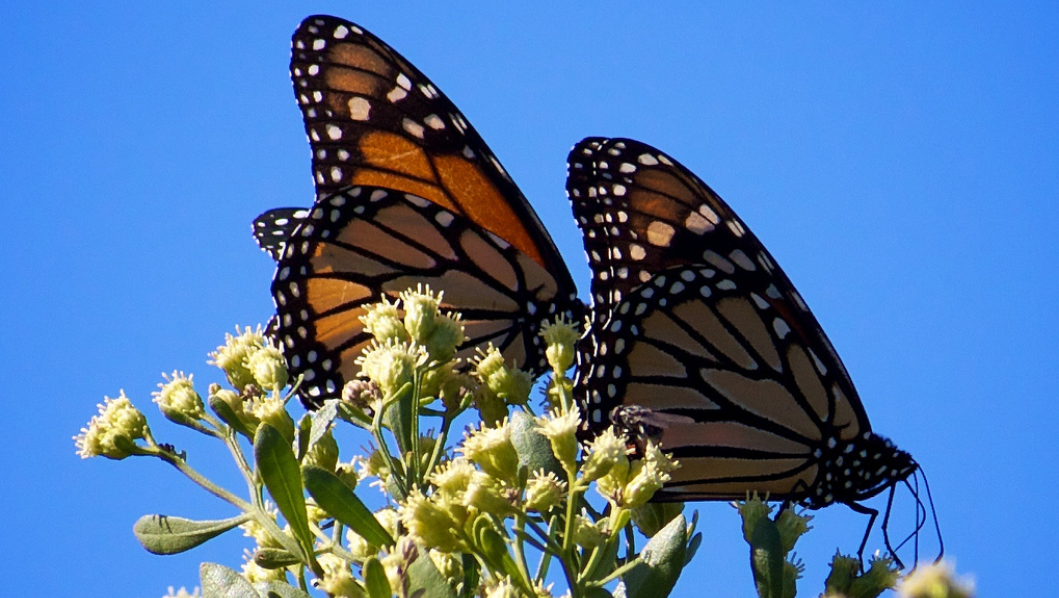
597	592
161	534
375	579
693	547
280	472
333	496
398	416
228	416
533	448
661	562
219	581
322	420
425	581
278	589
274	558
766	559
301	438
471	575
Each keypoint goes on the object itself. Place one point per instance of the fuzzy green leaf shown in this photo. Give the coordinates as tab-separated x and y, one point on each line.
322	420
301	437
766	559
278	589
228	416
274	558
160	534
425	581
280	472
219	581
533	448
661	562
333	496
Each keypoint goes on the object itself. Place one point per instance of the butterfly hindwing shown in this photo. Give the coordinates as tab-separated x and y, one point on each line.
366	243
274	227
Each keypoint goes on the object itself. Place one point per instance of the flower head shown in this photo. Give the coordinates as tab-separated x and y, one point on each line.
178	401
604	451
491	449
232	355
420	312
392	365
268	367
383	322
429	523
560	337
272	410
544	491
337	579
113	432
937	580
561	430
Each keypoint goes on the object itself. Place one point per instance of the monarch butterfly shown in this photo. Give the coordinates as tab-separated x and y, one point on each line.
695	335
406	192
698	337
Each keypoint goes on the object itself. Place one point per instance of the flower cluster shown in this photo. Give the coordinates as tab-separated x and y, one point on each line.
478	511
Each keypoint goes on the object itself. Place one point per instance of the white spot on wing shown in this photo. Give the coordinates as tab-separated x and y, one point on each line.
359	108
660	233
415	129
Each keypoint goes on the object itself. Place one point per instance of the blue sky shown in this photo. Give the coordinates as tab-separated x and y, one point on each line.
900	161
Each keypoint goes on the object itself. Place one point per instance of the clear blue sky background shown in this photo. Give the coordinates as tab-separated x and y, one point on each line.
900	161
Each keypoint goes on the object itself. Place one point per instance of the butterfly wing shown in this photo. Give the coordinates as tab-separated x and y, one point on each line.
373	119
366	242
273	228
446	213
694	319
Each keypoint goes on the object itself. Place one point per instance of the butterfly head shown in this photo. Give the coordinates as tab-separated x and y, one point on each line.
858	469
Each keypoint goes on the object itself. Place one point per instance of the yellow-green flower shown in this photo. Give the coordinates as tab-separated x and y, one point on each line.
604	451
232	355
429	524
544	491
337	579
752	511
272	410
420	312
268	367
491	449
392	365
937	580
383	322
113	433
178	401
560	338
791	526
560	428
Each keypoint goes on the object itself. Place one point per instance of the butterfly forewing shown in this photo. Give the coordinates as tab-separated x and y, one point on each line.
374	119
